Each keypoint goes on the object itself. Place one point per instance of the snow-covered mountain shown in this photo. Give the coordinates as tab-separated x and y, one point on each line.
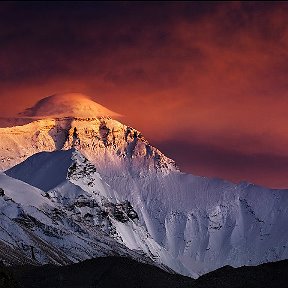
95	180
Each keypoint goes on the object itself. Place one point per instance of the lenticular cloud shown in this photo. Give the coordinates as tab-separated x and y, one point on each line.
67	105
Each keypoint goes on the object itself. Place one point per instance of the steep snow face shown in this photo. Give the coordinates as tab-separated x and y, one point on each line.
90	200
22	193
204	223
191	224
79	218
67	105
36	229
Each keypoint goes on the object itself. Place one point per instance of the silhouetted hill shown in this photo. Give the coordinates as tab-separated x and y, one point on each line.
100	272
274	275
110	272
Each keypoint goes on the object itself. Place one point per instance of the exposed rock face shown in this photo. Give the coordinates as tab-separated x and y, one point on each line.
104	141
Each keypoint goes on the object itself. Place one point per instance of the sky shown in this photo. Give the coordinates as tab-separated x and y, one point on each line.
206	83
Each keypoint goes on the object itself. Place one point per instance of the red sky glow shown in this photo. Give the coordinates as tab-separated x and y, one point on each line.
206	83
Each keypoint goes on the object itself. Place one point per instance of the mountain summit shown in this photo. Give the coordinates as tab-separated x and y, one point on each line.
67	105
79	185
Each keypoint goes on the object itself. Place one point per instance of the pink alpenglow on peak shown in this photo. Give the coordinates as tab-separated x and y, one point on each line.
67	105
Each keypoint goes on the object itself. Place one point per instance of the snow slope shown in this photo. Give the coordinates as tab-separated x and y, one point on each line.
88	198
35	229
191	224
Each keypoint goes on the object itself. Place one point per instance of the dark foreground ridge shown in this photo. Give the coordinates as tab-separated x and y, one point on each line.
101	272
110	272
269	275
